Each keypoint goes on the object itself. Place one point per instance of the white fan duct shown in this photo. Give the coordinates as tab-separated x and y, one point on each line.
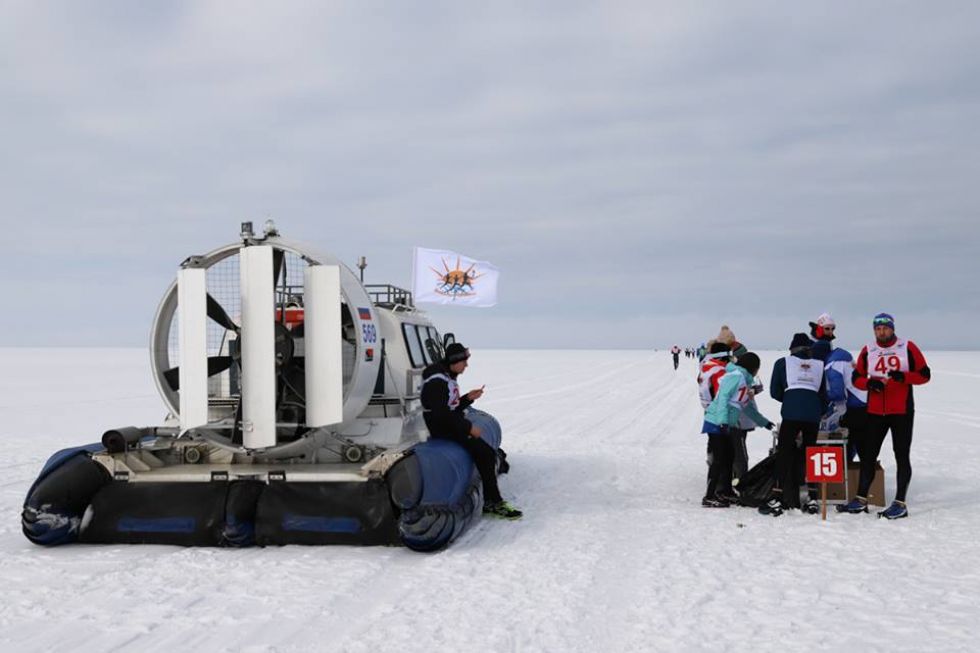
191	296
324	357
258	353
230	353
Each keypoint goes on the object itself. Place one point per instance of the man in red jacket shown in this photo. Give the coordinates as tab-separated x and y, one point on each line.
887	369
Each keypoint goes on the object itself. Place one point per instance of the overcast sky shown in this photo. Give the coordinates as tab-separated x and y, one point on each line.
640	172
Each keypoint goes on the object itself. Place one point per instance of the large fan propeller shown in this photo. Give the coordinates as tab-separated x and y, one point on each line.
218	364
262	348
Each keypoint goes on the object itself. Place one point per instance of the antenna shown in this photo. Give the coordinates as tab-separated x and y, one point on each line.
361	264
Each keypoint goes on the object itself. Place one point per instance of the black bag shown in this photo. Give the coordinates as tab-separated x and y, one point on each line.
755	486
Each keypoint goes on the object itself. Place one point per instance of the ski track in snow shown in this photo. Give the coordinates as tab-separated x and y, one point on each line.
614	553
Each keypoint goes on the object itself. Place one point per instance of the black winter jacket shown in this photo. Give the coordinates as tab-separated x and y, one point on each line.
442	420
798	405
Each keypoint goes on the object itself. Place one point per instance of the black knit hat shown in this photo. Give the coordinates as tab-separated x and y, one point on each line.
800	341
455	353
719	351
718	347
750	361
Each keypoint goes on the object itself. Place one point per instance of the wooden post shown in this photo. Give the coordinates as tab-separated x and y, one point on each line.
823	500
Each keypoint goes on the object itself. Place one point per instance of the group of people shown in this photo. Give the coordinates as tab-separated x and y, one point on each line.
689	352
821	388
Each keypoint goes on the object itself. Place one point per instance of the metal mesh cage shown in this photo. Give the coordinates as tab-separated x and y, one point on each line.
223	284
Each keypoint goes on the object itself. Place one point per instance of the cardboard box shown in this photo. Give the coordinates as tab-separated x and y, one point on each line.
835	491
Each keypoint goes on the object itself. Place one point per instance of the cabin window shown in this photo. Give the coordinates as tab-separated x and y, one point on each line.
415	348
423	335
430	333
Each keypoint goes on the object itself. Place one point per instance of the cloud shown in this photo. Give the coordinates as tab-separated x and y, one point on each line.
663	163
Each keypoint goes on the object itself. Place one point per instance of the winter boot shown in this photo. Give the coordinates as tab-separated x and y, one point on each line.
897	510
502	465
715	502
773	507
502	510
855	506
811	506
730	497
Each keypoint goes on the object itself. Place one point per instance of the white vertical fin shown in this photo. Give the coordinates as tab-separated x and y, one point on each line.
193	340
324	363
258	347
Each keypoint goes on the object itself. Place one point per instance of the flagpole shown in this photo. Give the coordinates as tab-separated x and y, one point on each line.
415	262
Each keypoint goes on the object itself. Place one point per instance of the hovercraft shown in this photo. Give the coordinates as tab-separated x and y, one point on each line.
296	422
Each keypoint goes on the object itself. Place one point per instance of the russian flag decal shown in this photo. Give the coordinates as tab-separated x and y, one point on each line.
364	313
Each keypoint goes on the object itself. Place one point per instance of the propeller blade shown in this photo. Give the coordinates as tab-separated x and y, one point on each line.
278	258
218	314
216	365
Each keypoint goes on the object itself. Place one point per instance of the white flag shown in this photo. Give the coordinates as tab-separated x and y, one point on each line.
444	277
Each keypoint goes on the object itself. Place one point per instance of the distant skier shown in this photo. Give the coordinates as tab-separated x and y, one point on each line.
797	382
887	369
675	351
734	398
445	417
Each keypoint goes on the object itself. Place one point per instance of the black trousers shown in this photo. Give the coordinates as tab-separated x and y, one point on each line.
485	459
740	460
794	438
901	430
720	455
856	421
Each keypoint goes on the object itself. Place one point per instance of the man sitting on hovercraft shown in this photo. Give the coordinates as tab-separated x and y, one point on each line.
445	417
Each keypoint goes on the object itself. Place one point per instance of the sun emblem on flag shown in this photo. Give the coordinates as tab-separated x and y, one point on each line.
456	282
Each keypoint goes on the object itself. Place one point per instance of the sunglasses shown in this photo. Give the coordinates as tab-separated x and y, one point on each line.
882	322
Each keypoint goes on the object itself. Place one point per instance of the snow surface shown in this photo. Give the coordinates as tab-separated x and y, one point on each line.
614	553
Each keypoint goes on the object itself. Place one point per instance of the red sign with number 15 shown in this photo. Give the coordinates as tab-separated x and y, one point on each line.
824	464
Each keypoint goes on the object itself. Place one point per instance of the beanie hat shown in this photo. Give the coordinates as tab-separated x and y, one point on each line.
884	319
817	328
749	361
455	353
725	335
800	342
826	320
719	350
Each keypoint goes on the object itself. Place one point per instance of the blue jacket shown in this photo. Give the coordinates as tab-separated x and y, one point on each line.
725	410
799	405
837	379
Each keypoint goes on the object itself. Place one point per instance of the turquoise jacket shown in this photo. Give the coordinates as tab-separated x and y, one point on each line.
724	409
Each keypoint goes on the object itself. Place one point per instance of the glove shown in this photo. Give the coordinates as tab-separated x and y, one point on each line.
876	385
770	426
895	375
